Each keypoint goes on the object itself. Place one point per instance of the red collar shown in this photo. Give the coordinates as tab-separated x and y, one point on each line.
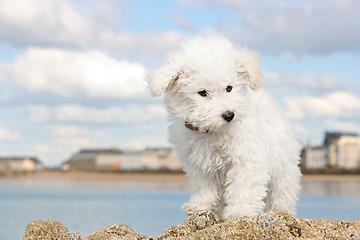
192	128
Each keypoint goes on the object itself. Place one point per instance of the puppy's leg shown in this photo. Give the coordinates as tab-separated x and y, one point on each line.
283	190
245	190
206	193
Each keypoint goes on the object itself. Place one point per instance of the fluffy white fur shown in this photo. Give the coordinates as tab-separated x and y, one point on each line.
237	168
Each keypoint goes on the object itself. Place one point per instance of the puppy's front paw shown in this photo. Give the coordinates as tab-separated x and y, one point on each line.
238	211
191	208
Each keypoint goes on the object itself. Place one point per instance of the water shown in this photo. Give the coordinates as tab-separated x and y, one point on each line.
87	205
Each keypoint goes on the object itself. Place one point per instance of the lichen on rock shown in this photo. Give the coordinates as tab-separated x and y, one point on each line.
192	224
115	232
206	225
40	230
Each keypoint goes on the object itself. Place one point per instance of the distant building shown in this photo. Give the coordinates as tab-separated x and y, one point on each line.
340	150
161	159
330	141
132	160
345	152
112	159
314	157
105	161
19	164
94	160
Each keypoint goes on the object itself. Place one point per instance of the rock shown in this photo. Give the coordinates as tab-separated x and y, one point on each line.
115	232
194	223
40	230
206	225
270	225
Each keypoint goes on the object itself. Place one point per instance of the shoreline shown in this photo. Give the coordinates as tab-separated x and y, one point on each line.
98	175
331	177
179	176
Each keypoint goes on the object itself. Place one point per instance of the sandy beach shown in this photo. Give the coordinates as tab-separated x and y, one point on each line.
178	176
100	175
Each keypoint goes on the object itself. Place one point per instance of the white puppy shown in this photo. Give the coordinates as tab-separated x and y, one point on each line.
240	154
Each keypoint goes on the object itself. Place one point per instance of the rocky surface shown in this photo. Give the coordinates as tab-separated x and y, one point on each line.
49	230
206	225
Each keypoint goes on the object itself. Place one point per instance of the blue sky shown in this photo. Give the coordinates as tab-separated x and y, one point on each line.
71	72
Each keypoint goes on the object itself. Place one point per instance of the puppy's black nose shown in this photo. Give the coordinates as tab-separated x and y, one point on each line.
228	116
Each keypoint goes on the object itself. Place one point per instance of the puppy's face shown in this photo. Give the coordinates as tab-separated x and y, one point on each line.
207	83
207	101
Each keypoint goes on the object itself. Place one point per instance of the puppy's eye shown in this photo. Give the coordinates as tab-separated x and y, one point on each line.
229	88
203	93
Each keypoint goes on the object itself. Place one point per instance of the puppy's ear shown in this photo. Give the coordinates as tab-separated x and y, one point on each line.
249	65
163	80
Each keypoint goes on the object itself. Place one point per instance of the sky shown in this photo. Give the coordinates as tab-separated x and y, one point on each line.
72	71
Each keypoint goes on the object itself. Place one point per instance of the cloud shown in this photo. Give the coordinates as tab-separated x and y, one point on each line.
3	77
69	131
39	22
43	148
64	145
6	135
205	4
300	129
157	110
181	21
347	126
39	113
110	10
149	44
335	104
75	142
277	26
313	27
81	114
85	25
288	82
77	74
